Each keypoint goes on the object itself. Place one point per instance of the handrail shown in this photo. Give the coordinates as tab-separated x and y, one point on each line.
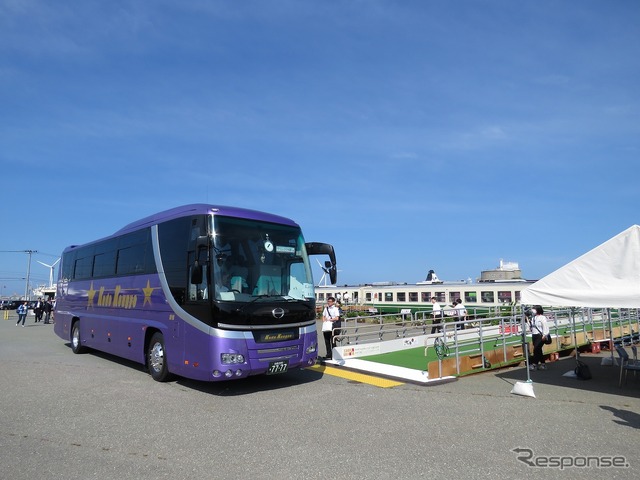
464	337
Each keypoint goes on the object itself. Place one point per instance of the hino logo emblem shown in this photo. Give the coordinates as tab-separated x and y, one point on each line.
277	312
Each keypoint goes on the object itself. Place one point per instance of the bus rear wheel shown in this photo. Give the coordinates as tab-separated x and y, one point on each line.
76	343
156	358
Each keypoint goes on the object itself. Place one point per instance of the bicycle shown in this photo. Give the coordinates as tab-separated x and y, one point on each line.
441	347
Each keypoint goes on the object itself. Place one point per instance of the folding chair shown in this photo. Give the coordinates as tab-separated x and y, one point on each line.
626	364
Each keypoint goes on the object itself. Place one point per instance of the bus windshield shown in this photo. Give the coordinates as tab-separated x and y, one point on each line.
252	260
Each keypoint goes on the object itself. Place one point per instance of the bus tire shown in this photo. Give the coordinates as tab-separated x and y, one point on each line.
156	358
76	342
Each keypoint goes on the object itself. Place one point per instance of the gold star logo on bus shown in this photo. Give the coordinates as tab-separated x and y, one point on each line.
148	291
91	293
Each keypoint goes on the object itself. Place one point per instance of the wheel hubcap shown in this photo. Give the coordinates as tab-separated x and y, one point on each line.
156	357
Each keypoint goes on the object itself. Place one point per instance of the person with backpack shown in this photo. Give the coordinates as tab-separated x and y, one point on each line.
22	313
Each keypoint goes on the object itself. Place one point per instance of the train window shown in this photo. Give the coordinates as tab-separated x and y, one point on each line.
367	296
388	296
425	297
453	296
504	297
470	297
413	296
487	297
401	297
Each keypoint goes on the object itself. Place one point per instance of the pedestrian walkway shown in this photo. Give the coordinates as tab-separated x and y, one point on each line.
604	371
400	374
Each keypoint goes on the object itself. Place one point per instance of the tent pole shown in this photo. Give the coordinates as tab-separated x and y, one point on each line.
610	336
575	336
525	345
524	388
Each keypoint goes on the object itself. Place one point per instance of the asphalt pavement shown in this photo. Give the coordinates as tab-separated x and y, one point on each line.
66	416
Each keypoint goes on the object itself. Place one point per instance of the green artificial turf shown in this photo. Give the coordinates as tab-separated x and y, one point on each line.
415	358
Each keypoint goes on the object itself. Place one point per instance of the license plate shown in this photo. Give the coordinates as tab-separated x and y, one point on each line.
278	367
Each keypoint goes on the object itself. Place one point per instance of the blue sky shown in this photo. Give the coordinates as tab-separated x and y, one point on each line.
412	135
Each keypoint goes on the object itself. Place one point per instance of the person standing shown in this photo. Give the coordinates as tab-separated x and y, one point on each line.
37	310
22	313
330	317
436	310
461	313
48	307
539	330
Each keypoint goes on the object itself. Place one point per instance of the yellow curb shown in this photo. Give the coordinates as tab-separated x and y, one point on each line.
358	377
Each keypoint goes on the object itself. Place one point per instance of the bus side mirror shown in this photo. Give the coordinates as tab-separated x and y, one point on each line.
333	274
316	248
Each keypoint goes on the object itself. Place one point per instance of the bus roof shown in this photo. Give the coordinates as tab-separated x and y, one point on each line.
202	209
195	209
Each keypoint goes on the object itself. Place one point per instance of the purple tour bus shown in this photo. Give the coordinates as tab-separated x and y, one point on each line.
201	291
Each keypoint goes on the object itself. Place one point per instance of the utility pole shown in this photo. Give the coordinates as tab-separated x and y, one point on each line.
29	252
27	296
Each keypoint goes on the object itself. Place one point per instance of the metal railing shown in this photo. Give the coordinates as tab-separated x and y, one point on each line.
470	336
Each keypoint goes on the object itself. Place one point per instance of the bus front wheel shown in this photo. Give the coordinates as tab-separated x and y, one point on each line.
76	344
156	358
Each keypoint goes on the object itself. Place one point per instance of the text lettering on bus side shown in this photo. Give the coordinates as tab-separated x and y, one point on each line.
117	300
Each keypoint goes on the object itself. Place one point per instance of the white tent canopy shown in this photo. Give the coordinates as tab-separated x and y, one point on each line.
606	277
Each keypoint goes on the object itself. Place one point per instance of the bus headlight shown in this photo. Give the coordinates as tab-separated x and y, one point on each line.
232	358
311	348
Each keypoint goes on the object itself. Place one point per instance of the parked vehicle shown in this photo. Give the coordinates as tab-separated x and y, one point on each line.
10	304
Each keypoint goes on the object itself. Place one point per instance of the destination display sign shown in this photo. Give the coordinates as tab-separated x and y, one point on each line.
272	336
